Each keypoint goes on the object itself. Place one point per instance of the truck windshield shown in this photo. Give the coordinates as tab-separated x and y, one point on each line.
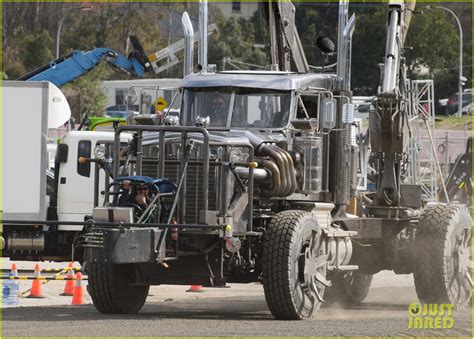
237	107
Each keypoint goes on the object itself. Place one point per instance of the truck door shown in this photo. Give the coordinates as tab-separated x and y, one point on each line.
76	180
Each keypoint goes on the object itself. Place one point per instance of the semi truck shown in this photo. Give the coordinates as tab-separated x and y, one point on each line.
257	181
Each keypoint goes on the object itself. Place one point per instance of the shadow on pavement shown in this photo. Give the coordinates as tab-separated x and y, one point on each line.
203	308
369	306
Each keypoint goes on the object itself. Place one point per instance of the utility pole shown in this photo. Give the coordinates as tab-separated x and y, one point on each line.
61	20
461	78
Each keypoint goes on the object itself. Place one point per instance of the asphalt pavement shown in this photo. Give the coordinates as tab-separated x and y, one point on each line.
239	310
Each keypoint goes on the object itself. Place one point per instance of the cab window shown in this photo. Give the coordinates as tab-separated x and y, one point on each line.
84	151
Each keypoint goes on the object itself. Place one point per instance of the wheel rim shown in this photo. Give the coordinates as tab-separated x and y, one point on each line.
460	267
310	273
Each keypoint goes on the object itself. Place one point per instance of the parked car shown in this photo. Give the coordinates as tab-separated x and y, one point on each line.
452	106
467	109
120	111
363	106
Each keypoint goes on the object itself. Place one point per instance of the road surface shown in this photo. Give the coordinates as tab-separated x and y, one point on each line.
239	310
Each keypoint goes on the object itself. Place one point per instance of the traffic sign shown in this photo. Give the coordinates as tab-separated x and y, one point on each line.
160	104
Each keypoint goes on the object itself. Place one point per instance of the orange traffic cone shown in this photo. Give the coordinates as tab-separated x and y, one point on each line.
195	288
14	270
36	286
69	287
78	295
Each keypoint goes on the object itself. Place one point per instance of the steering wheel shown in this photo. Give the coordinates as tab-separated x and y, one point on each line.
137	210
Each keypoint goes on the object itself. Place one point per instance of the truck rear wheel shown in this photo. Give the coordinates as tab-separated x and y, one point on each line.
443	256
349	288
294	265
111	290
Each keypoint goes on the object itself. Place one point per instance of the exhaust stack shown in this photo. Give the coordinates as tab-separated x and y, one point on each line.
348	31
343	17
188	44
344	45
203	16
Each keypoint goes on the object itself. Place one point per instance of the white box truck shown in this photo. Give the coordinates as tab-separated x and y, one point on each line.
32	193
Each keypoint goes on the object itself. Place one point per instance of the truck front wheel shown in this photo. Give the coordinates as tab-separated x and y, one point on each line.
443	257
294	265
111	289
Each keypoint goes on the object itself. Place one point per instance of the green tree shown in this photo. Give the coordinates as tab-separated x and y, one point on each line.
110	26
431	46
368	48
12	67
235	39
86	95
312	21
433	41
36	50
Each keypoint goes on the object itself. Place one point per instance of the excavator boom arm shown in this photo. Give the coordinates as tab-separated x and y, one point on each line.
286	49
78	63
388	125
397	29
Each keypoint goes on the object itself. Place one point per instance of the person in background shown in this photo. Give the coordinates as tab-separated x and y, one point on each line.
219	111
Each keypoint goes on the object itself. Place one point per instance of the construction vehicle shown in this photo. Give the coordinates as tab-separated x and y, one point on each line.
70	67
401	232
78	63
258	181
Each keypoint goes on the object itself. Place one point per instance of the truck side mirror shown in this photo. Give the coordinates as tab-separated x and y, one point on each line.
62	153
305	124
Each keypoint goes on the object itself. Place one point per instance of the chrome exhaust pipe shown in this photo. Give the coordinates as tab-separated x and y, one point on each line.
282	166
348	31
275	174
341	51
203	11
292	173
188	44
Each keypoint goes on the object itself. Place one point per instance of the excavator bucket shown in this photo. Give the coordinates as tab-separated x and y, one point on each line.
139	54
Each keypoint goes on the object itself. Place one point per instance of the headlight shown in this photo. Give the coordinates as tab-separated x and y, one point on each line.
171	121
99	152
203	121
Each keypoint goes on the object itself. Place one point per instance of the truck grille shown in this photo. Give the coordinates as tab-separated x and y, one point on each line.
193	188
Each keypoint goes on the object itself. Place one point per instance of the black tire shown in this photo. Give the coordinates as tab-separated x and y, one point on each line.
443	256
111	291
293	240
349	288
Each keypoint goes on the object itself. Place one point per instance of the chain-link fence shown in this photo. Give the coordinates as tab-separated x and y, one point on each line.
449	144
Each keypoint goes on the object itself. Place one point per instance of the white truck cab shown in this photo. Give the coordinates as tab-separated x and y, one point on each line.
76	180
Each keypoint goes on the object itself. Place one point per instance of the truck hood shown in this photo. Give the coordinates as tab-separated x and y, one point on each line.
254	138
